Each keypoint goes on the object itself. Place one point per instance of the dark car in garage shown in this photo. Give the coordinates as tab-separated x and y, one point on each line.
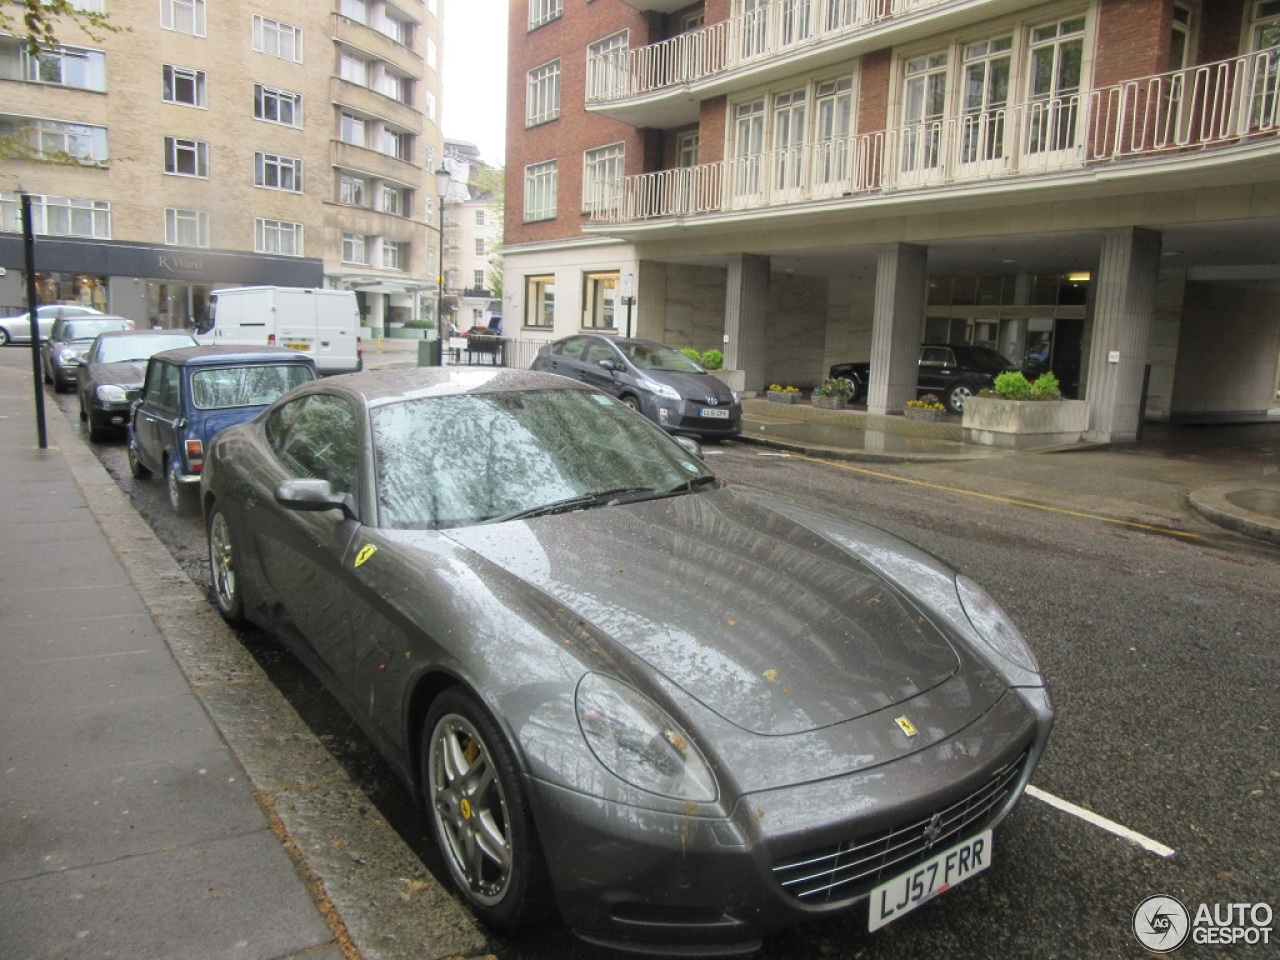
952	371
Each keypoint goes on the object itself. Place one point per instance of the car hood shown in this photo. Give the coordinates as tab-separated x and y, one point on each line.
129	374
764	622
699	387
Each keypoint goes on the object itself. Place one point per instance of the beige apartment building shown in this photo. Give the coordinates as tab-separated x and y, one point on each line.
213	143
1092	184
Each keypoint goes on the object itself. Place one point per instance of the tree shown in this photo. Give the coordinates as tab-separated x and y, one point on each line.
39	18
491	182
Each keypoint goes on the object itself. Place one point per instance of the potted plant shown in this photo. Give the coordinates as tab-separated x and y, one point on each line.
783	394
1018	414
927	407
833	394
712	359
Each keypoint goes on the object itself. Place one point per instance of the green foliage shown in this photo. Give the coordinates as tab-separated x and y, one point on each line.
836	387
713	359
38	19
1015	386
692	354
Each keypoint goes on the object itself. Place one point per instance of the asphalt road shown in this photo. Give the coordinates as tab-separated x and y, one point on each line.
1162	653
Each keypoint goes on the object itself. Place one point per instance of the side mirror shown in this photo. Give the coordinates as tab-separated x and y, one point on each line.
608	365
314	495
692	446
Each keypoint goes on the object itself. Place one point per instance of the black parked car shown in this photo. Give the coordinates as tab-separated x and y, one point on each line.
659	381
110	378
952	371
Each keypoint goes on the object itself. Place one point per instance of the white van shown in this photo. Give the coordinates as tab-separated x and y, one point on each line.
323	324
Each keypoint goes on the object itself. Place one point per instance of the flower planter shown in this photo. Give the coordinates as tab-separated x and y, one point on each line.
829	403
778	396
1023	424
920	413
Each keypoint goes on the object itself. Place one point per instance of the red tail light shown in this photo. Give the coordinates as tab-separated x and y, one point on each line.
271	340
360	349
195	455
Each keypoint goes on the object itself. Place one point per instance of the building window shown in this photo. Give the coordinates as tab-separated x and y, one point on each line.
352	191
184	16
67	67
277	173
186	228
433	54
687	149
431	106
277	106
355	248
540	301
478	280
186	158
543	11
401	89
398	30
58	216
602	170
1264	30
394	201
479	218
58	142
353	70
355	10
480	247
748	147
607	68
1054	105
185	86
397	144
394	254
277	39
352	130
277	236
540	190
600	295
542	100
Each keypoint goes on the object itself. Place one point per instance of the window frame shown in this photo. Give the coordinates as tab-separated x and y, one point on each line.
174	147
171	75
349	249
540	301
600	310
285	171
45	209
169	19
174	220
542	12
95	67
597	194
269	35
542	93
263	95
541	191
265	227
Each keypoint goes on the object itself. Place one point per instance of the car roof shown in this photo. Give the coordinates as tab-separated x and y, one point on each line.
395	384
112	334
212	356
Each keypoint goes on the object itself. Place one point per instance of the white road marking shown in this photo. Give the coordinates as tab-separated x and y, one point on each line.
1159	849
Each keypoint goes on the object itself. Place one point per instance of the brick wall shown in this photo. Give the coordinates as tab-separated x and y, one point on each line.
873	91
1133	40
1220	33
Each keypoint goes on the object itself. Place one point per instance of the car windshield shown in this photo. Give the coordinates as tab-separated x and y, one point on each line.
654	356
459	460
88	329
126	349
984	358
246	386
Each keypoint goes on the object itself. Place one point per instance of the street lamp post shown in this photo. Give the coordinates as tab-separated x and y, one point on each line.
442	190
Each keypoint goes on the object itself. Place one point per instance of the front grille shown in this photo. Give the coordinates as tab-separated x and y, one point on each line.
852	868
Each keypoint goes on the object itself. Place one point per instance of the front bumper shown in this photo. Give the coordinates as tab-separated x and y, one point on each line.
683	416
652	881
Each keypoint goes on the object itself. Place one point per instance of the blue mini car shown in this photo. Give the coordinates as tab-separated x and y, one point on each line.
193	392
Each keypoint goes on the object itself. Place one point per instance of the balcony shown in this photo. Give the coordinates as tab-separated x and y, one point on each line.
371	103
660	85
1221	111
349	156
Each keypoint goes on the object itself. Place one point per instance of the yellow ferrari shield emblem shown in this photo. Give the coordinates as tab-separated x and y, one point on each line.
367	551
906	726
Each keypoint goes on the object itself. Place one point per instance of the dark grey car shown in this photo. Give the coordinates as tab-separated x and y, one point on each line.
659	381
681	711
110	376
69	340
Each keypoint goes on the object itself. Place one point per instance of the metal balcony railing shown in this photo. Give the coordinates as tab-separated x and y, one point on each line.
778	28
1215	106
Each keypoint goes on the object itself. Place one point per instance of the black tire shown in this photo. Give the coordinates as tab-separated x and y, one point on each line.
5	339
957	395
182	499
856	393
97	432
136	468
83	414
223	575
474	794
630	401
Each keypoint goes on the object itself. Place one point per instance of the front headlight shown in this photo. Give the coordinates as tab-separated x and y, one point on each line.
635	740
1001	636
661	389
111	393
68	357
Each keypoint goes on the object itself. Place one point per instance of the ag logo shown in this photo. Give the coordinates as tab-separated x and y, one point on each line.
1161	924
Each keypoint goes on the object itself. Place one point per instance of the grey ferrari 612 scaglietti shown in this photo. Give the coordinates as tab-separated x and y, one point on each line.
684	712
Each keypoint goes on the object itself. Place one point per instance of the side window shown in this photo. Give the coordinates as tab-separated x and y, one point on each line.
933	357
596	352
315	437
161	387
572	348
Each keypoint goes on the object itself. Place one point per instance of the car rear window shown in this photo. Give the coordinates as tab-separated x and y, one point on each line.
246	386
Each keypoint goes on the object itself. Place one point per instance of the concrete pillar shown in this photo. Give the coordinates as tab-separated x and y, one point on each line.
1124	307
746	309
901	277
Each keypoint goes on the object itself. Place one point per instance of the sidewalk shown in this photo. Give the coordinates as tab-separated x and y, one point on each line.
150	775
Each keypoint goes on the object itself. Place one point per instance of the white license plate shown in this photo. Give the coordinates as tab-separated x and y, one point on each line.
922	883
713	413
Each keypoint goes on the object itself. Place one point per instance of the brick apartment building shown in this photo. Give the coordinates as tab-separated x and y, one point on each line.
803	182
224	143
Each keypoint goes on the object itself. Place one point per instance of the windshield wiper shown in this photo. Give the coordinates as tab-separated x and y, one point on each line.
691	485
602	499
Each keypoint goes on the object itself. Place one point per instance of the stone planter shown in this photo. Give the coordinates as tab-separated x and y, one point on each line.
406	333
733	379
829	403
920	413
777	396
1023	424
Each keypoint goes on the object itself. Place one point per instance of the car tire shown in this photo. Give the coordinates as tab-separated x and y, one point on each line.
223	560
5	339
180	498
137	469
856	393
630	401
83	415
957	395
474	793
97	432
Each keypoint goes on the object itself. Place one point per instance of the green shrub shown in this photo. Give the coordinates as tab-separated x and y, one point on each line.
837	387
692	354
1015	386
1046	387
713	359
